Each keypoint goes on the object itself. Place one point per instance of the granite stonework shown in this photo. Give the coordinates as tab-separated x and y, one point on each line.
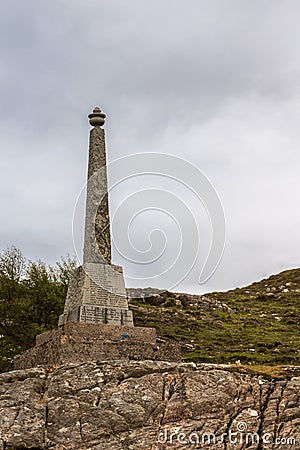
97	294
96	291
96	323
84	342
97	242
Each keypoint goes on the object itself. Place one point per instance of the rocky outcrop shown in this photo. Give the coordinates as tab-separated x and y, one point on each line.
126	405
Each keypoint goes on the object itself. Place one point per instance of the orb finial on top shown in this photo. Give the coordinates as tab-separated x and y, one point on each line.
97	117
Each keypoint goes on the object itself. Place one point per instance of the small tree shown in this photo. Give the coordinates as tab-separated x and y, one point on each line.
32	296
12	303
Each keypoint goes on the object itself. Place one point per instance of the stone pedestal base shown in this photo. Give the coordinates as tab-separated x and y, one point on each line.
83	342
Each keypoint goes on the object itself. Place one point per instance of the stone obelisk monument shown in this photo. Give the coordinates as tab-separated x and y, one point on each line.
97	243
96	323
96	291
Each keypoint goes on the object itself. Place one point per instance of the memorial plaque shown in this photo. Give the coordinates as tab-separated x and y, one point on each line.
92	314
112	316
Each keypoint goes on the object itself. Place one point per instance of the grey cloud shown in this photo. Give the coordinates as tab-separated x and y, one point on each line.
214	82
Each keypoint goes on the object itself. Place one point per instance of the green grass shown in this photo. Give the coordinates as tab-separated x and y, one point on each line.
260	327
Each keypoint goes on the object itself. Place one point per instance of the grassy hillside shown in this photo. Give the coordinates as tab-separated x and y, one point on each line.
257	324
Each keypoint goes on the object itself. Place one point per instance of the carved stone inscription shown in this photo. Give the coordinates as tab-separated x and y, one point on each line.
92	314
96	314
104	286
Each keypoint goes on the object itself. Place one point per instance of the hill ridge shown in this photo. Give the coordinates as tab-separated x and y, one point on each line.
255	324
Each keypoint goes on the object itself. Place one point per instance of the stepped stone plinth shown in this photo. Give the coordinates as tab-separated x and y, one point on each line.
78	341
96	323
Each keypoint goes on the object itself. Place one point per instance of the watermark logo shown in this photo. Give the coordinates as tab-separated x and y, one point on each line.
166	254
241	426
240	436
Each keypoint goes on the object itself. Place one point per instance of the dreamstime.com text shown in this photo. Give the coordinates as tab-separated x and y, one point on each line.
238	437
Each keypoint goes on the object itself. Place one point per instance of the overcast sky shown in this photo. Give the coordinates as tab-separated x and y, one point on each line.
216	83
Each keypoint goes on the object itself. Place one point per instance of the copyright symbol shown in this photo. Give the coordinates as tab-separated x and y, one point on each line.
242	426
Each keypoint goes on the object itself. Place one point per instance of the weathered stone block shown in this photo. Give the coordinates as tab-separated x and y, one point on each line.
91	331
91	342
